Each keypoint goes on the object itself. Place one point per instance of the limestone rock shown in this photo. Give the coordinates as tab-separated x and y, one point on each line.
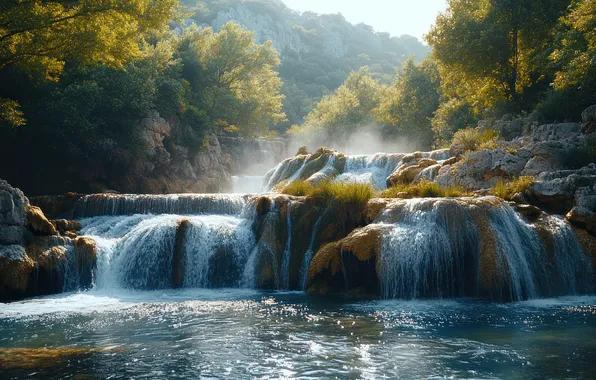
152	131
86	260
63	226
38	223
584	218
555	132
12	205
12	235
15	270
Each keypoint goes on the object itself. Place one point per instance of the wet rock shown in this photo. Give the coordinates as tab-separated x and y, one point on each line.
15	270
584	218
348	266
85	251
57	206
63	226
529	211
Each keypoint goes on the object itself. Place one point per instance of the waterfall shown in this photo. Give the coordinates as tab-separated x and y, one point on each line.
424	254
183	204
451	248
285	264
370	169
138	251
309	254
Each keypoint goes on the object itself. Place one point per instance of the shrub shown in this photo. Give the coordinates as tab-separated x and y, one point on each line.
344	192
424	189
507	189
472	139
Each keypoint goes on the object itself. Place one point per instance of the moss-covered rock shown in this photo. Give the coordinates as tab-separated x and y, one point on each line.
348	266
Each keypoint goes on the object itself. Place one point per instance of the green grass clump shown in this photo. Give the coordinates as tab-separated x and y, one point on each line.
472	139
424	189
507	189
344	192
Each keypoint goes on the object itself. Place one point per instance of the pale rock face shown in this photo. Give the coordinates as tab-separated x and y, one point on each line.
555	132
153	130
281	33
12	205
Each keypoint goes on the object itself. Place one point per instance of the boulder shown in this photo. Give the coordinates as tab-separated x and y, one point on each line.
589	120
348	265
559	191
15	270
12	205
63	226
85	250
584	218
38	223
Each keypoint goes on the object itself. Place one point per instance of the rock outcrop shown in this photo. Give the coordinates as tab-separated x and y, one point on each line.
33	257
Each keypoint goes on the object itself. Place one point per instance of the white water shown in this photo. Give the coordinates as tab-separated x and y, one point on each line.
370	169
434	251
136	251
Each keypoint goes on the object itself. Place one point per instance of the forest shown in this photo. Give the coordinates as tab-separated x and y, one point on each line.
76	76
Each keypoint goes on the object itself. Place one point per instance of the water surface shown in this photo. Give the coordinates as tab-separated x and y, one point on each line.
241	334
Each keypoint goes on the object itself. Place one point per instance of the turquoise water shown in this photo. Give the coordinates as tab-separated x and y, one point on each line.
240	334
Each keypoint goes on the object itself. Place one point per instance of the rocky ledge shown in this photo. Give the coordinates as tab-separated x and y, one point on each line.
35	252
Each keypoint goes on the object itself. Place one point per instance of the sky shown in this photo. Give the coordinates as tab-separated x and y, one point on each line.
397	17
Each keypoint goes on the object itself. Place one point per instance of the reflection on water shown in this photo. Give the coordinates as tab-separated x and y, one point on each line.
247	334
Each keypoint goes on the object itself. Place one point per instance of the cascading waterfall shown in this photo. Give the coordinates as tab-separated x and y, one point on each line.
465	247
436	250
136	251
370	169
182	204
308	255
424	255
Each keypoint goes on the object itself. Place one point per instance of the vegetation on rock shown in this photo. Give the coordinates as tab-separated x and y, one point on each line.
507	189
424	189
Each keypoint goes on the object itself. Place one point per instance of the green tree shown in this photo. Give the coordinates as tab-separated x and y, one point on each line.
411	101
233	77
576	55
349	108
39	37
493	51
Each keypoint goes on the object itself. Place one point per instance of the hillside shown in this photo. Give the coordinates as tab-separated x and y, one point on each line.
317	52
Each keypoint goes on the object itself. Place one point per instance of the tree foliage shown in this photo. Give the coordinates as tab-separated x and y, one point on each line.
235	77
492	51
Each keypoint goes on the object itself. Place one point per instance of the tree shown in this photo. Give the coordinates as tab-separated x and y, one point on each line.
576	55
493	51
411	101
350	107
38	37
234	77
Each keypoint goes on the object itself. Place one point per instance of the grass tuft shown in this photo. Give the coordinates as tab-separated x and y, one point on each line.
344	192
507	189
472	139
424	189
